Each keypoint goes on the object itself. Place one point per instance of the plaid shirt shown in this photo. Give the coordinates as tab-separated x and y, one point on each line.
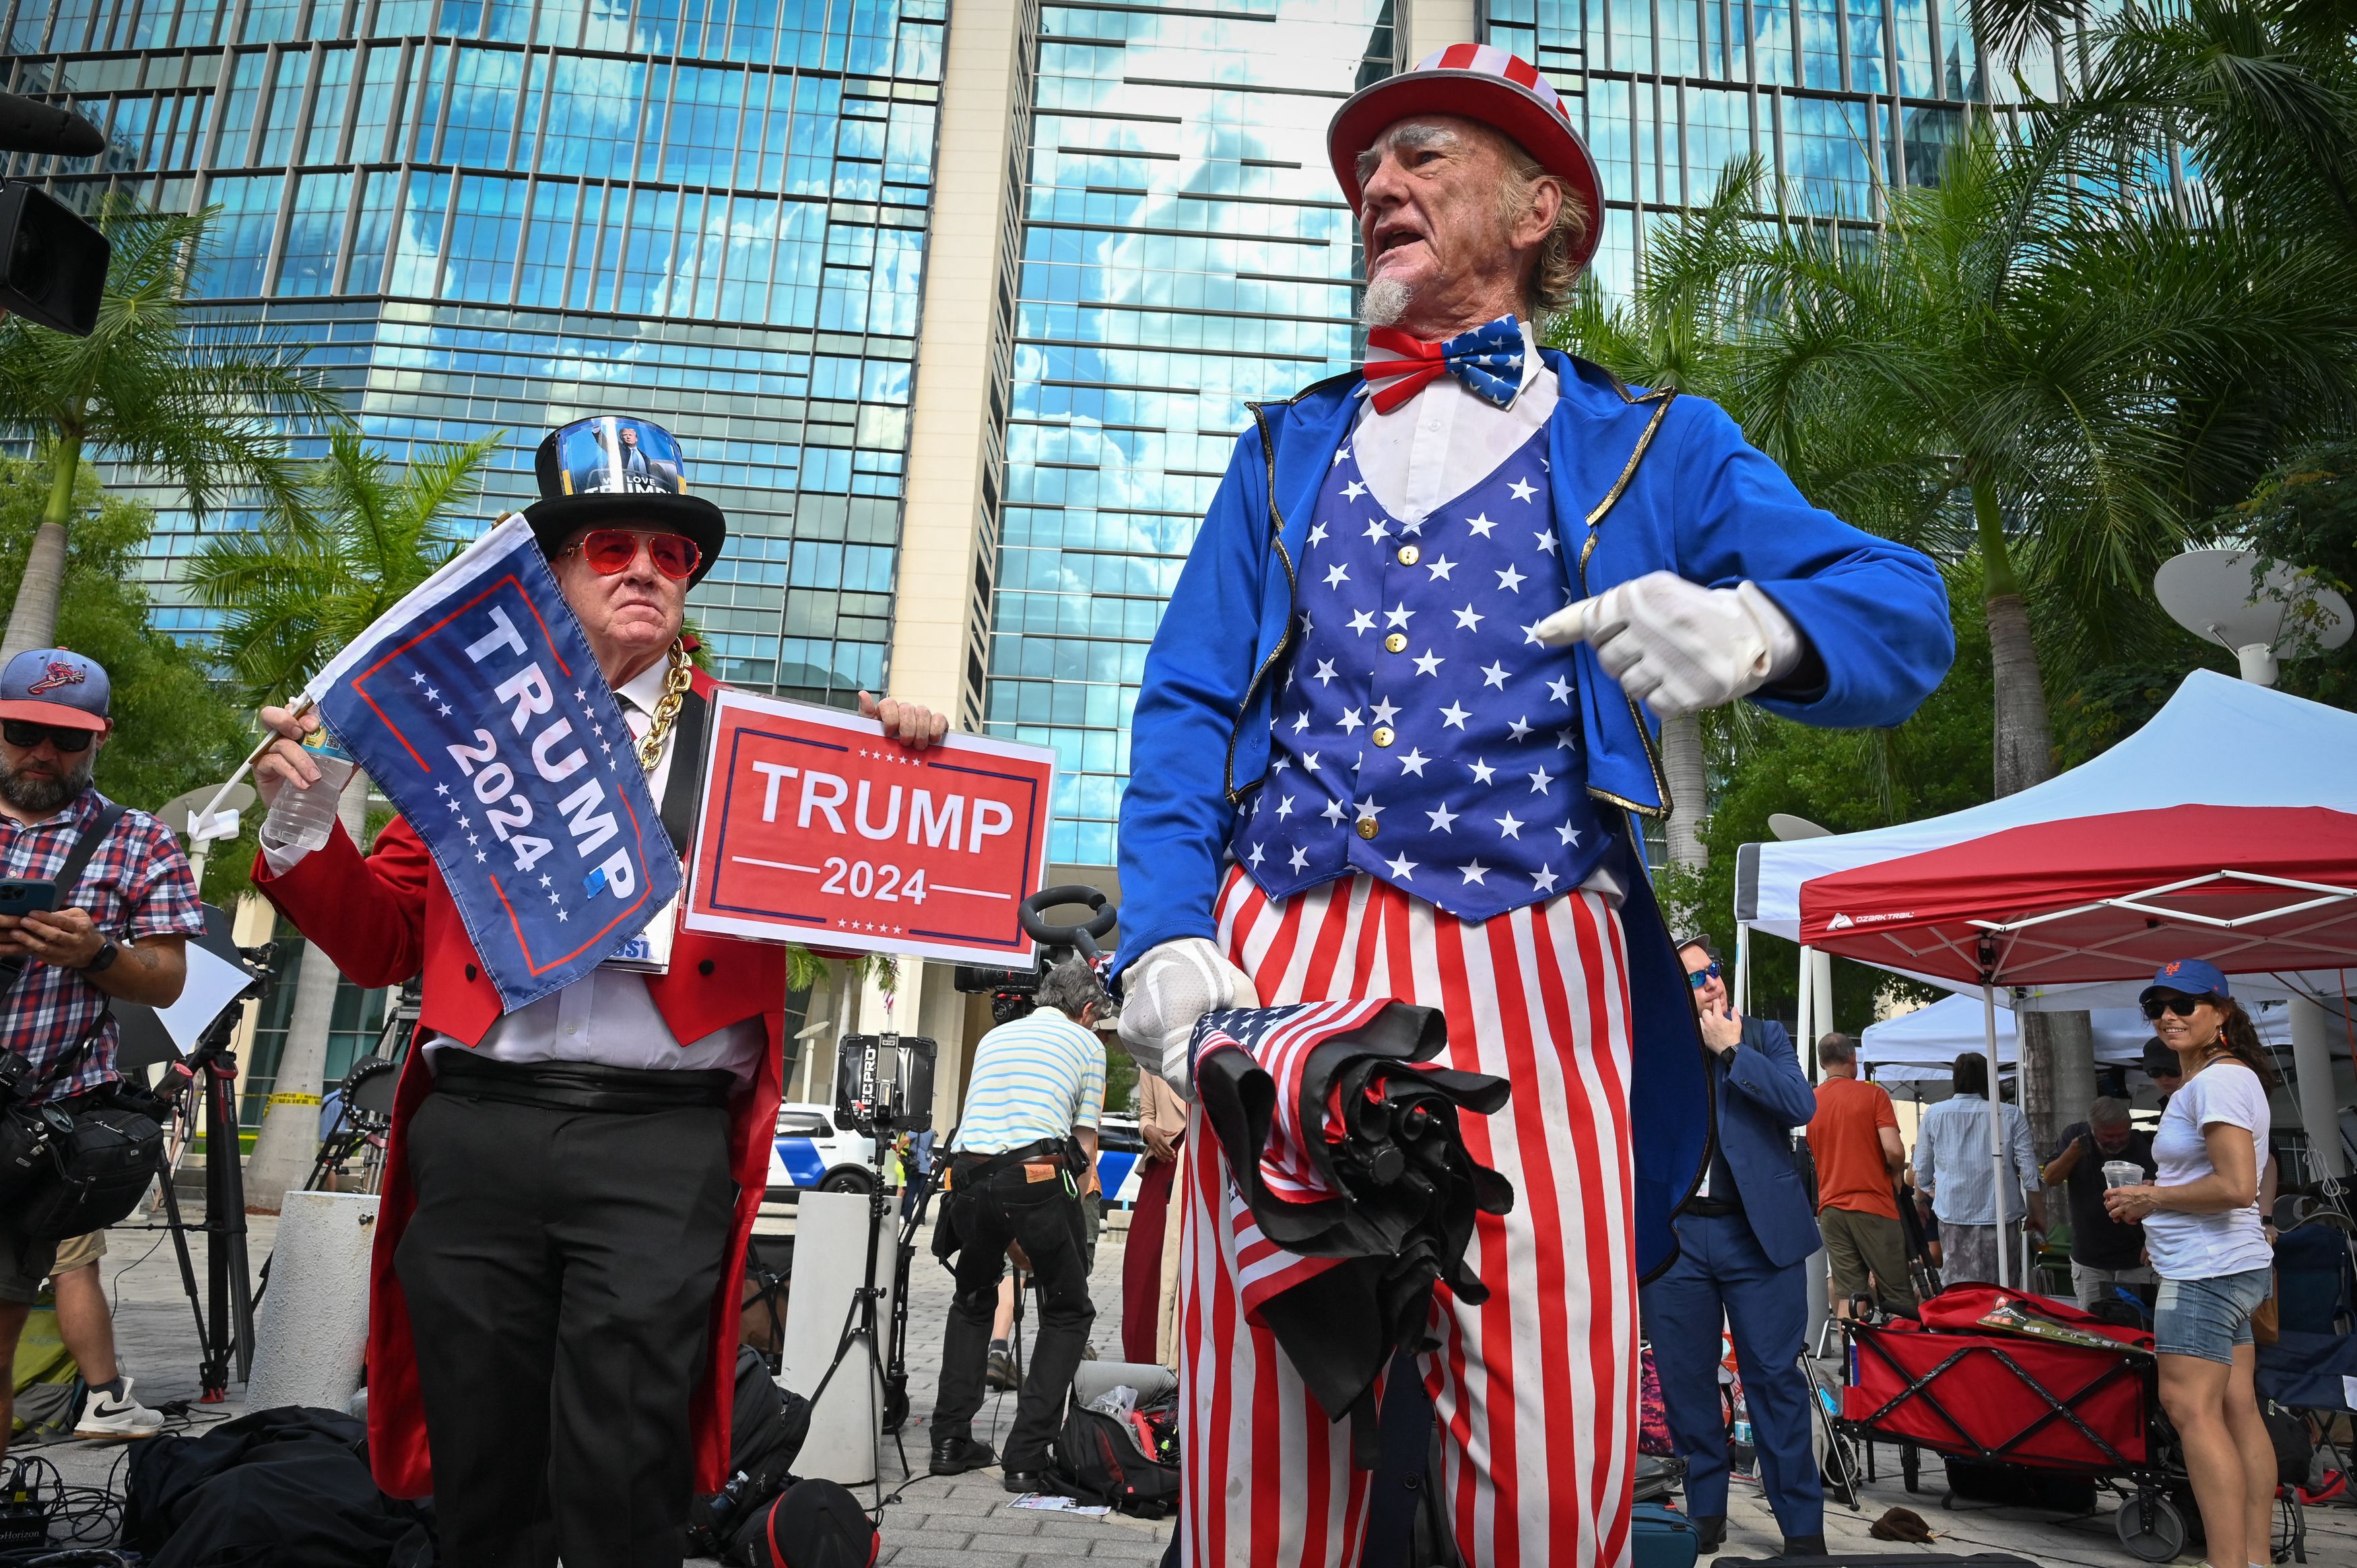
137	885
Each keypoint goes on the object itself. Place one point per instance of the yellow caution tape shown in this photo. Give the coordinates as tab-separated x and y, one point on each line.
294	1099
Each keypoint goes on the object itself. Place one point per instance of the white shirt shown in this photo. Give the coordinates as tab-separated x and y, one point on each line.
1035	1077
1952	1163
2208	1246
606	1017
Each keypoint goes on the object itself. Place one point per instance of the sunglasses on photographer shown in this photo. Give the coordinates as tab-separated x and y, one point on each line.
2182	1006
1699	978
610	551
25	733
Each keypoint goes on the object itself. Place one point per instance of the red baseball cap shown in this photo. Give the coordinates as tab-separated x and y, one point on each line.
1483	83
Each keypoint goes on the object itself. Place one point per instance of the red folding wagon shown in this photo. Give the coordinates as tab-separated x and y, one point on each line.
2058	1391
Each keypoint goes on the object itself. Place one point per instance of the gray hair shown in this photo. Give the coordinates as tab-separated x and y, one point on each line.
1071	988
1836	1047
2108	1111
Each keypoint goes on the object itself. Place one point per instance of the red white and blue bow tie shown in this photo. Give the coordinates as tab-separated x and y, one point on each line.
1488	360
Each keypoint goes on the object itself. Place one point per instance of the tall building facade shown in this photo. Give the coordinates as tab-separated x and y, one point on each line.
497	214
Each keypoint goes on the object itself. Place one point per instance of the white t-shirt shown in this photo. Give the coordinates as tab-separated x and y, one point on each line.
2207	1246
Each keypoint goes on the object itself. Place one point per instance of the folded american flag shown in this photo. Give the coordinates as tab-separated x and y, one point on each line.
1352	1192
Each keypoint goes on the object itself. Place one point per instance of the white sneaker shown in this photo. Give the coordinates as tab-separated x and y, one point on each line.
118	1417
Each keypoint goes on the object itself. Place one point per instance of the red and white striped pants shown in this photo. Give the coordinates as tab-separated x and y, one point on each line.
1537	1391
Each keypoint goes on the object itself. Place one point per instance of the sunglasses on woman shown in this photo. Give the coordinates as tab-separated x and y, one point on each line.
610	551
25	733
1699	978
2182	1006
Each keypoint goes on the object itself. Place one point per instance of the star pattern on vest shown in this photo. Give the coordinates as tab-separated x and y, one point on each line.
1428	753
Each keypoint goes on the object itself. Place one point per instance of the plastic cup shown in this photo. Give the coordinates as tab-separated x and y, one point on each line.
2122	1173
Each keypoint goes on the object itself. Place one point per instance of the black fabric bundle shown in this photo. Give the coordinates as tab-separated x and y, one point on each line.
284	1485
1345	1145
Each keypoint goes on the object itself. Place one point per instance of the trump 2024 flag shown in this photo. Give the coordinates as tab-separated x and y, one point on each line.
476	705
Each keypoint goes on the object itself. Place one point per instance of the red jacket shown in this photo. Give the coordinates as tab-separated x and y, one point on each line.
387	916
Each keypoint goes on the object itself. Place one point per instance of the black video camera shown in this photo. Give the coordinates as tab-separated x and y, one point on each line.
52	260
1010	989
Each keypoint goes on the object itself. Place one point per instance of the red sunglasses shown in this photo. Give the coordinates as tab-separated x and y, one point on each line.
610	551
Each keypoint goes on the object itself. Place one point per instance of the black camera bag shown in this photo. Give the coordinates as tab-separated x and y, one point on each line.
95	1175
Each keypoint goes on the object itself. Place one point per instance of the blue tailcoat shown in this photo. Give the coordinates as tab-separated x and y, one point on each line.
1640	482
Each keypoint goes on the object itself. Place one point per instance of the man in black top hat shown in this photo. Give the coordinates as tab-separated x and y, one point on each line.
569	1185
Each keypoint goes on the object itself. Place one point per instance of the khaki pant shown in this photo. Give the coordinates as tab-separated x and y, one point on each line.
77	1252
1859	1244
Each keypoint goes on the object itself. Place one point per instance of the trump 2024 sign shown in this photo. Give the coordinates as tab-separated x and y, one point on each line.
818	830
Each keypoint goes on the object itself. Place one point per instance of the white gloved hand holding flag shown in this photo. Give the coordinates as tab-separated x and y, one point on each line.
1678	647
1170	988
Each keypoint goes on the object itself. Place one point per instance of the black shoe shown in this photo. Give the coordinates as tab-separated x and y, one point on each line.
1804	1546
1710	1533
956	1456
1025	1480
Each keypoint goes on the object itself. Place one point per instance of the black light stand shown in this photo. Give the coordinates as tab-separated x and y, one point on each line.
896	1374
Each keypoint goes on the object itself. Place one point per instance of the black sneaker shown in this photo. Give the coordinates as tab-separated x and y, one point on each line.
1710	1533
956	1456
1804	1546
999	1372
1021	1481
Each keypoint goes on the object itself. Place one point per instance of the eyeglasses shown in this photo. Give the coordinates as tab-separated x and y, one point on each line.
25	733
610	551
1702	977
2182	1006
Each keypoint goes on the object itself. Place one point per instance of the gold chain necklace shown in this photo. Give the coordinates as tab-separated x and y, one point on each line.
675	684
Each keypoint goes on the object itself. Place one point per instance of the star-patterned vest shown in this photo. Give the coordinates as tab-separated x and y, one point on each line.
1422	735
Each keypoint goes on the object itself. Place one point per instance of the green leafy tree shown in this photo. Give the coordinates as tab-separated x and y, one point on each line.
174	729
348	540
204	406
2305	513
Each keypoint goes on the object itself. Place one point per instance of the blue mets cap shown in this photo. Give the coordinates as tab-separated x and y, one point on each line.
55	686
2187	977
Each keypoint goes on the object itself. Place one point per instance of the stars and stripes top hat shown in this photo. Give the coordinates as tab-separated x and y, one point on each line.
1479	82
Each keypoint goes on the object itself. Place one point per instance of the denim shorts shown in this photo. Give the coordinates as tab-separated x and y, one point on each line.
2209	1318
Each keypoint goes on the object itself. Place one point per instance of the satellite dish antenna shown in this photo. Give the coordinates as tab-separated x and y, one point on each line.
1789	828
2208	592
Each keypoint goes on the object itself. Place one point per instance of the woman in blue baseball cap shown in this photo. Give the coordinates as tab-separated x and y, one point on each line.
2202	1228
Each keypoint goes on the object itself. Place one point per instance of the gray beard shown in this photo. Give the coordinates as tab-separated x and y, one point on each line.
1387	300
40	796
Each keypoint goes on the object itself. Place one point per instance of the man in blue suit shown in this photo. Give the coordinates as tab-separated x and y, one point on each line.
1742	1240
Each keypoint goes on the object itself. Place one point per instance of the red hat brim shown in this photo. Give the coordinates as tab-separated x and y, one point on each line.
1493	101
56	714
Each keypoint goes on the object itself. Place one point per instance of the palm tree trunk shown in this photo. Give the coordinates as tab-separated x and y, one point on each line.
289	1142
2024	740
33	620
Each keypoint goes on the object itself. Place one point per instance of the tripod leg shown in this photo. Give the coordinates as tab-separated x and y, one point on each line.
179	1232
233	1317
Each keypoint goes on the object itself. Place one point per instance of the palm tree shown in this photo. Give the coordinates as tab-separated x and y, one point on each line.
341	551
207	407
1683	328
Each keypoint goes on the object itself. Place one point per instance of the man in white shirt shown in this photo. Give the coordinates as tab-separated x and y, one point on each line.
1956	1179
569	1187
1023	1161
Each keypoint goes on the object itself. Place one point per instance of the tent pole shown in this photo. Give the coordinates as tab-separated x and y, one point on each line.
1804	1019
2311	1060
1995	1133
1743	969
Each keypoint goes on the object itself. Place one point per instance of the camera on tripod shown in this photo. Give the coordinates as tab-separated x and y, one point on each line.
1010	989
885	1082
52	260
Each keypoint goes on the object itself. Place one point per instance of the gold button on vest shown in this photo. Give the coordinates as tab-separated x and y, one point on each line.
1367	828
1383	735
1409	555
1396	642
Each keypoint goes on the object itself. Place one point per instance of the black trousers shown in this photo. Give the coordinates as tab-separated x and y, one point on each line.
1046	1220
560	1272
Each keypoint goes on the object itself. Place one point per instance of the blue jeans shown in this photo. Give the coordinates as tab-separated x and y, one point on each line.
2209	1318
1722	1273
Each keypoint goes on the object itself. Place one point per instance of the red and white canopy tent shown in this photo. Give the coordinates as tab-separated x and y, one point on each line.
2258	890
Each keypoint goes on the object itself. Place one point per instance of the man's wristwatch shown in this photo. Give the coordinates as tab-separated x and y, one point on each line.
105	960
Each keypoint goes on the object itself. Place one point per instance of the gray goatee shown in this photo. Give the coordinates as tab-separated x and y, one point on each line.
1385	302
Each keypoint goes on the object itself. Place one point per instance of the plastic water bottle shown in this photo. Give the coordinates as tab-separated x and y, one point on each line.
302	818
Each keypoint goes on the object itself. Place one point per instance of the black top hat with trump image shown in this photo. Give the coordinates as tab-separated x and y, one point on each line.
617	470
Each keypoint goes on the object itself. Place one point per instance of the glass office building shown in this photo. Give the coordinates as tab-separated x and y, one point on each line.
500	214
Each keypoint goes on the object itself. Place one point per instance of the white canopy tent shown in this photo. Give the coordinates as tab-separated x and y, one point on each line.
1924	1044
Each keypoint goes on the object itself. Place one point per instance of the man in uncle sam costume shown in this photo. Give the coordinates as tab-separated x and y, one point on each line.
1390	736
570	1183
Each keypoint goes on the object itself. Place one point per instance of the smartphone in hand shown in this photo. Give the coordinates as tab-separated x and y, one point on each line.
27	895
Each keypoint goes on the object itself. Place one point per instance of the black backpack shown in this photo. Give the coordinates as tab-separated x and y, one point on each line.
766	1428
1129	1463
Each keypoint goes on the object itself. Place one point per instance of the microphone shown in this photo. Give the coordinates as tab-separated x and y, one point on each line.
28	126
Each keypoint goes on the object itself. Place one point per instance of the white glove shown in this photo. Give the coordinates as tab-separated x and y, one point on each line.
1166	991
1678	647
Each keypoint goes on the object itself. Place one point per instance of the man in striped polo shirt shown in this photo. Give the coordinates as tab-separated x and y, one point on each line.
1022	1163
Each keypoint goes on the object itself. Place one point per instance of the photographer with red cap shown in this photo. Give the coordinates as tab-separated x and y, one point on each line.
568	1186
108	907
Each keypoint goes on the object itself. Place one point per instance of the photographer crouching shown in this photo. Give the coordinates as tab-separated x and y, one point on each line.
114	921
1023	1161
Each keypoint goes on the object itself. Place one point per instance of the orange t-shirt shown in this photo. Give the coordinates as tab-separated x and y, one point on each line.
1847	1149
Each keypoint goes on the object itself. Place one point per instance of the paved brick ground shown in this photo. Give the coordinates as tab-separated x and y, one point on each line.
964	1522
